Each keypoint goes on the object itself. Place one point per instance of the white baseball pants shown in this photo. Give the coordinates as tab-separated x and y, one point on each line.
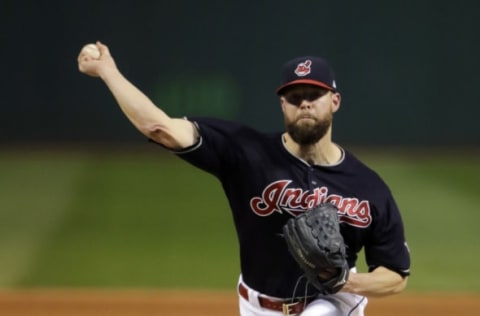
339	304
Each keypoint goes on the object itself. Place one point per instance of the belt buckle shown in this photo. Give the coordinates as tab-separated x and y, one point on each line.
287	309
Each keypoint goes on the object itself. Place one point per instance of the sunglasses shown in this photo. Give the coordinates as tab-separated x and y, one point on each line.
297	97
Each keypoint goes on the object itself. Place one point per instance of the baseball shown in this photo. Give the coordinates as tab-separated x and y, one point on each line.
92	50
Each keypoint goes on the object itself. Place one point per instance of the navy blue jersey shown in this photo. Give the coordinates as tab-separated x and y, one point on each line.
266	185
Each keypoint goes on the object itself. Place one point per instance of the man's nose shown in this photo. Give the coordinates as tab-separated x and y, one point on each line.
305	103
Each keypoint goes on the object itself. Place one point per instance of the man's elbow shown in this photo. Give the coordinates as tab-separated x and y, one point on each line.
400	286
156	132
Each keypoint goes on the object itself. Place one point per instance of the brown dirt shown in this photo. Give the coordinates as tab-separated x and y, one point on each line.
199	303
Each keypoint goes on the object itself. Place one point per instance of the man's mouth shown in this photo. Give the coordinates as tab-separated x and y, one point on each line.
305	117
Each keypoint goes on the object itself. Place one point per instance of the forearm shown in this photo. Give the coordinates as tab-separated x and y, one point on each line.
380	282
139	109
145	115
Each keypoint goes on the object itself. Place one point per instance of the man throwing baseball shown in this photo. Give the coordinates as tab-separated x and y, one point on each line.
303	206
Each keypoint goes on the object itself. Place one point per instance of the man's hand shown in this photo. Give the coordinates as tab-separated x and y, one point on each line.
315	242
95	67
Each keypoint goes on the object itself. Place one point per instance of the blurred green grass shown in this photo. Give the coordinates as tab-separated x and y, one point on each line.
136	218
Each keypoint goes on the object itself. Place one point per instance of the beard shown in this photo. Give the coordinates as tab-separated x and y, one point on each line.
307	133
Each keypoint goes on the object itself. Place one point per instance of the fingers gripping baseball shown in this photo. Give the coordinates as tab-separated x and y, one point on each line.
94	58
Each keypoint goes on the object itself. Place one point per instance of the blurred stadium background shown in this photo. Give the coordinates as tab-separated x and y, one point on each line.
86	201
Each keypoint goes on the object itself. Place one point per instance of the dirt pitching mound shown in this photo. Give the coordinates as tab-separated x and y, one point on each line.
202	303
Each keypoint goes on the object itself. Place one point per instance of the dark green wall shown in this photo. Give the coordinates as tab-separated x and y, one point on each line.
407	70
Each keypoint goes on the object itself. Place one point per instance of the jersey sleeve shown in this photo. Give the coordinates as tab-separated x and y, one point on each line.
215	151
387	245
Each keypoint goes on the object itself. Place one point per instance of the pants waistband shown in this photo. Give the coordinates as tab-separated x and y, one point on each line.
286	306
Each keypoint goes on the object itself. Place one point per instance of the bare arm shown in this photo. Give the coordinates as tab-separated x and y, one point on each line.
379	282
139	109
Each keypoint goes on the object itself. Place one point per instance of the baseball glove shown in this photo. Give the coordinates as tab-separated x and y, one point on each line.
314	240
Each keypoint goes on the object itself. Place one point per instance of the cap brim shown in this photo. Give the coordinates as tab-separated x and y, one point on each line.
304	81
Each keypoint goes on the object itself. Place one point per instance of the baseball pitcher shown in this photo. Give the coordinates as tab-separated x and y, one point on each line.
303	206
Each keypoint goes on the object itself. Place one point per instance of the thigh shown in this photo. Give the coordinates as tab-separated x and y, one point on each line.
340	304
322	307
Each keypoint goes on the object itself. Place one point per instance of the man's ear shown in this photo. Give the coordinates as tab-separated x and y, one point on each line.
282	103
336	100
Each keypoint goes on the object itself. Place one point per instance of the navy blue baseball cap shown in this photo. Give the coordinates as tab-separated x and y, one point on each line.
307	70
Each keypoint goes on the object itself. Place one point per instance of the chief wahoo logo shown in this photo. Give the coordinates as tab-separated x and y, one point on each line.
303	69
